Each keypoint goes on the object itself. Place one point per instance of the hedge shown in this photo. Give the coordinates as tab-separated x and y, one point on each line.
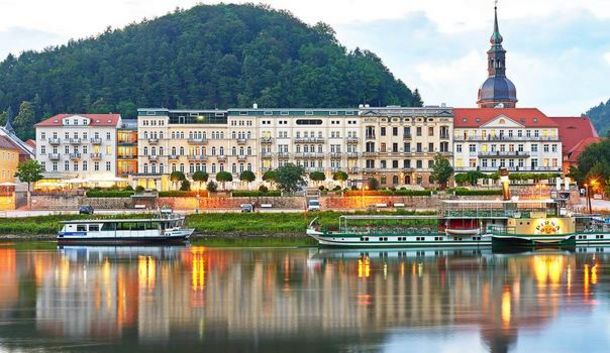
246	193
109	193
466	192
358	193
177	193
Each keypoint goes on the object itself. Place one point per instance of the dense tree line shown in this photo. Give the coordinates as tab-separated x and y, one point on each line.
207	57
600	117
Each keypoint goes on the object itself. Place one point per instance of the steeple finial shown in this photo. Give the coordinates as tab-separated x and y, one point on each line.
496	37
9	116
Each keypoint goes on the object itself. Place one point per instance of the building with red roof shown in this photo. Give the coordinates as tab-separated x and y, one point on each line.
576	133
78	147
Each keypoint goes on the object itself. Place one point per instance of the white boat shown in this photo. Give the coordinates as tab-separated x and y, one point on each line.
165	229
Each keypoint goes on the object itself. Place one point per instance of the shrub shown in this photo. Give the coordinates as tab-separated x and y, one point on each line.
212	186
337	188
185	186
109	193
373	184
139	189
263	189
321	188
466	192
128	188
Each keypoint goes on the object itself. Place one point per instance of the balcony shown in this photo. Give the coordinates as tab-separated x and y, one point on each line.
242	157
153	141
309	140
95	156
266	155
197	141
242	141
370	154
75	141
352	154
352	140
54	141
127	156
75	156
309	155
336	155
283	155
407	137
173	157
153	158
504	154
54	156
266	139
96	141
222	158
445	136
353	170
199	158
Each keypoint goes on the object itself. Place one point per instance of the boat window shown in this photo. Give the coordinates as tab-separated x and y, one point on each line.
94	228
108	226
81	228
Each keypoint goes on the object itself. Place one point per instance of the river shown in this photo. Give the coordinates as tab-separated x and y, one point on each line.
196	298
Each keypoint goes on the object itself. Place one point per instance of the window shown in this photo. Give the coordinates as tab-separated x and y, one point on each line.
431	131
383	131
108	136
395	131
75	166
66	166
96	166
108	166
84	166
418	131
458	148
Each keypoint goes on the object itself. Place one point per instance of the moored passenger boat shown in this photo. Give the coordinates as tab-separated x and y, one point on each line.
165	229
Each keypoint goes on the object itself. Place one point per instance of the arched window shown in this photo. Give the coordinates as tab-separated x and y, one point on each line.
241	151
160	150
174	150
250	166
146	151
213	151
222	151
233	151
182	151
249	151
153	151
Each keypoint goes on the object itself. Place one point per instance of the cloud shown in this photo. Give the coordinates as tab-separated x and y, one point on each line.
607	57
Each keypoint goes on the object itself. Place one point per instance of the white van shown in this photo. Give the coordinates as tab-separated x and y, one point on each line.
313	205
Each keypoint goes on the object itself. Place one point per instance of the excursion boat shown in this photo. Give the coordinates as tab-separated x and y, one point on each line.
462	223
168	228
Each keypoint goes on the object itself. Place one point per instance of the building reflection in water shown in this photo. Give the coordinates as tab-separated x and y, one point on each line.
158	292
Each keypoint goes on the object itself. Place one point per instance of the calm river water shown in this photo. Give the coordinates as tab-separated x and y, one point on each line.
198	299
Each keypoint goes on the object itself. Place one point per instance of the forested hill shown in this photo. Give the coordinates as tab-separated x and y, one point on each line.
600	116
205	57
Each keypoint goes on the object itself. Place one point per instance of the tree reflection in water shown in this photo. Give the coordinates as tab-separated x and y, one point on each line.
185	298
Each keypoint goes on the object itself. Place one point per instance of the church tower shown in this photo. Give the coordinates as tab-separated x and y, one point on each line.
497	90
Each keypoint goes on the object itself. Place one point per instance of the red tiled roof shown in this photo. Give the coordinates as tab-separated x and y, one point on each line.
477	117
573	130
6	143
31	143
575	151
95	119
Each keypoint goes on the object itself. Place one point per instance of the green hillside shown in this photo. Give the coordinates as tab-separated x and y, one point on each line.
205	57
600	116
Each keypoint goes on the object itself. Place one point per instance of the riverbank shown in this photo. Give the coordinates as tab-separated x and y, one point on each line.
230	228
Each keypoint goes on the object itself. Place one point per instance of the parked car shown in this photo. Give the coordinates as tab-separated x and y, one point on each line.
85	209
246	207
313	205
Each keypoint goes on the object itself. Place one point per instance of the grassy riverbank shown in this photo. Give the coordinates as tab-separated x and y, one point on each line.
225	226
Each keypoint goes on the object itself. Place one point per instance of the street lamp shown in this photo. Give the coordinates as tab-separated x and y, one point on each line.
588	196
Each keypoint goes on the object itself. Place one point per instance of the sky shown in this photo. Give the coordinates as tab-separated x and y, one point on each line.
558	50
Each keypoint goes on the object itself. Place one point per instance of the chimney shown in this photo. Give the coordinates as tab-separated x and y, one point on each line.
254	106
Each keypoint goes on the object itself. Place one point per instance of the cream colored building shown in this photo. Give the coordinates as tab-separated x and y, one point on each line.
394	144
400	144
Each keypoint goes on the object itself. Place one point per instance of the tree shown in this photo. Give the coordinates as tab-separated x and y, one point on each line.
24	121
177	177
223	177
200	177
317	176
269	176
441	170
29	172
290	178
247	176
341	177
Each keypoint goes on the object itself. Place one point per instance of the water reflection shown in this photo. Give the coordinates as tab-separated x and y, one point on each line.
124	298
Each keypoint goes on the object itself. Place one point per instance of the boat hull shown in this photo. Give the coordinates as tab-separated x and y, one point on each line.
177	237
533	241
395	240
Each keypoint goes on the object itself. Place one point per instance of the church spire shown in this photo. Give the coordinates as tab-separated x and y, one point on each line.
497	90
9	116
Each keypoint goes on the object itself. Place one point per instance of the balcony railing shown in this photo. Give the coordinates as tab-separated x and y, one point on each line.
336	155
266	155
75	156
352	154
153	141
198	158
242	141
54	141
266	139
407	137
352	140
197	141
222	158
491	154
153	158
283	155
242	157
95	155
54	156
309	139
75	141
173	157
96	141
491	138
